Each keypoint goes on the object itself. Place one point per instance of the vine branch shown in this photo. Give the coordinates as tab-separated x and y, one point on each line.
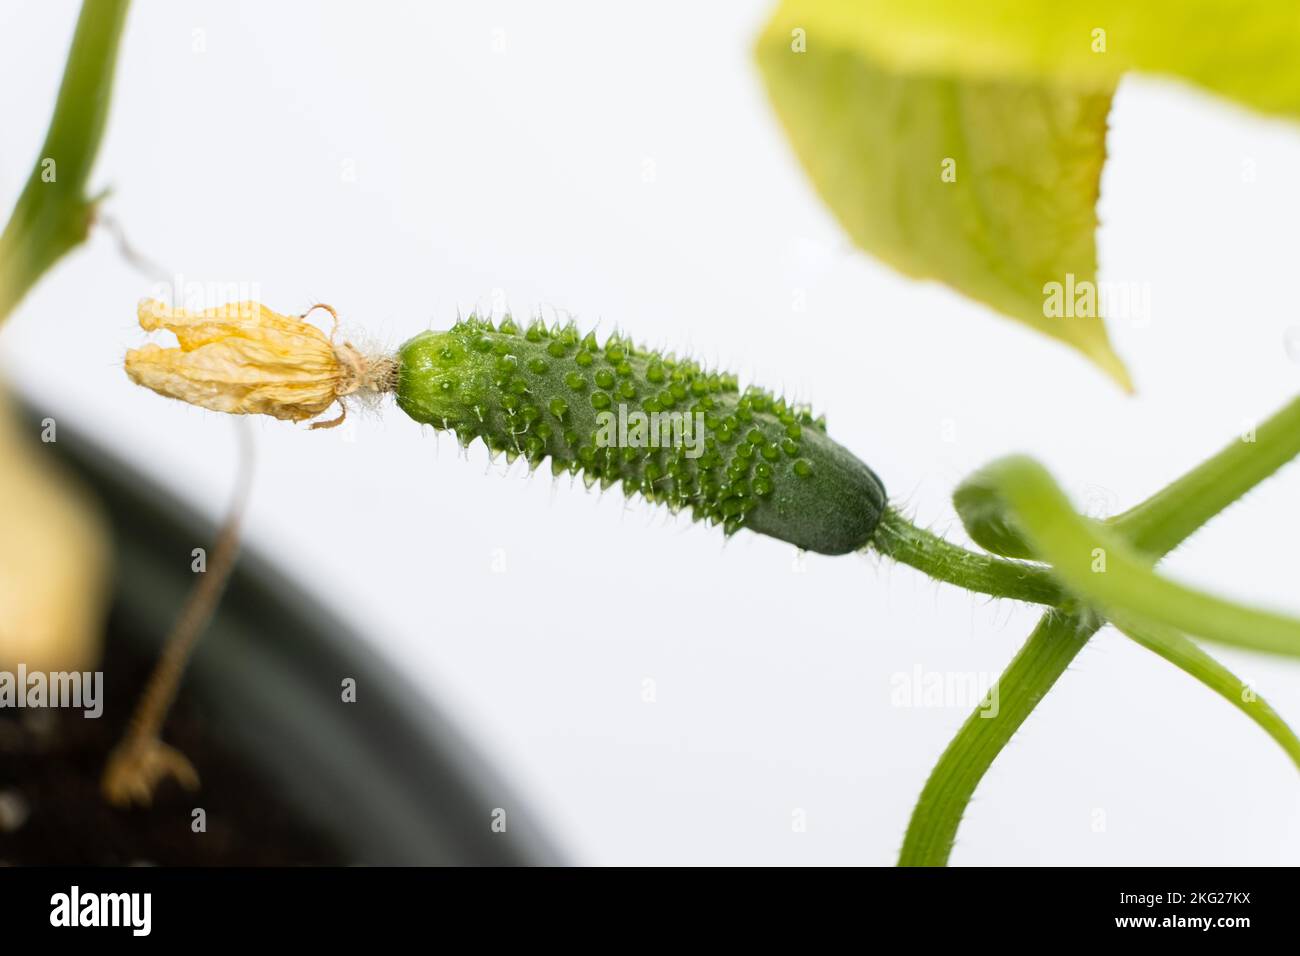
53	214
1154	528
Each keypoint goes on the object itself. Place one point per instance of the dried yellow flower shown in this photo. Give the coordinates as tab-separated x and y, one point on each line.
244	359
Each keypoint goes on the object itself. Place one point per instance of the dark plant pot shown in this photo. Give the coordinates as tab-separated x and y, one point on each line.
383	780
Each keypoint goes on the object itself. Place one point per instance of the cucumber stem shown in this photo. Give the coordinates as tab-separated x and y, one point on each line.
898	538
1155	526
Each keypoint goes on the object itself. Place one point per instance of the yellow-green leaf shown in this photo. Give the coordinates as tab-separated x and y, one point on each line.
1247	50
987	184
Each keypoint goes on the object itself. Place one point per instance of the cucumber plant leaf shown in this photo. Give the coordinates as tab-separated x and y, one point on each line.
1244	50
964	142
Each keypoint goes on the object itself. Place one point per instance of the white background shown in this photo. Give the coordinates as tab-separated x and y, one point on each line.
401	161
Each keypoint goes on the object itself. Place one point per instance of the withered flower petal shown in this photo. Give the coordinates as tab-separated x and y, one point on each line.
244	359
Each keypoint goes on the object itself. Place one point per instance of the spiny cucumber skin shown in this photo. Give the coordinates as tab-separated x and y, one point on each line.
767	466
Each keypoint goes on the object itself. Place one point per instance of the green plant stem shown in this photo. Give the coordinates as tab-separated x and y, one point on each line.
1102	569
1054	643
1156	526
53	215
1188	657
898	538
1171	515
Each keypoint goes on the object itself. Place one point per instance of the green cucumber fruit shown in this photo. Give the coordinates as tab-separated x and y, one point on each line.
664	427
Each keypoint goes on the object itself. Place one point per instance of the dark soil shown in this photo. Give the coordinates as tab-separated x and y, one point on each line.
51	811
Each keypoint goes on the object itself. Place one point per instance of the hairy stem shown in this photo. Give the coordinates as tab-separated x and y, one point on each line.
1171	515
1099	566
898	538
1187	656
1054	643
1156	527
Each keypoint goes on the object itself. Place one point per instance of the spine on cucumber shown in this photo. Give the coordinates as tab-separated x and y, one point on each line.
665	428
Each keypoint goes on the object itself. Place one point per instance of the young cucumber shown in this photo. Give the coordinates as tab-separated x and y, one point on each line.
742	460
